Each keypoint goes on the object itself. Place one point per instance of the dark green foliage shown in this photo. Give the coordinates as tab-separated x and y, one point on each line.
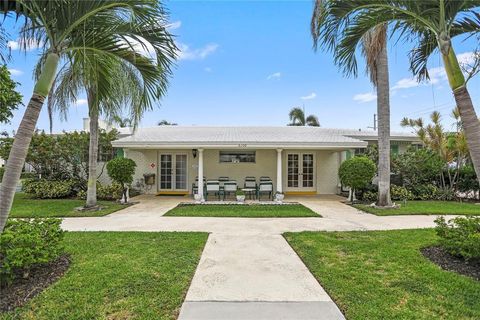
468	180
357	172
26	243
10	99
105	192
121	170
426	192
64	156
49	189
460	236
2	171
418	167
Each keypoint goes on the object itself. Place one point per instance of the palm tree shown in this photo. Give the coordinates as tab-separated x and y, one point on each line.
431	25
327	28
71	29
297	118
122	122
166	123
111	85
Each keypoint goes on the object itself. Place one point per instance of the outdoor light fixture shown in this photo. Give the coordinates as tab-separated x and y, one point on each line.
194	153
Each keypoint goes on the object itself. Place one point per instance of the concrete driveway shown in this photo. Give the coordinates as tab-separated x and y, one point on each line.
248	270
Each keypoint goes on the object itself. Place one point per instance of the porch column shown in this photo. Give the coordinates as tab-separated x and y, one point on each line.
200	173
279	170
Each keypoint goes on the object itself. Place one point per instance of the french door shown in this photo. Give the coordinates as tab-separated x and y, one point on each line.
172	171
301	171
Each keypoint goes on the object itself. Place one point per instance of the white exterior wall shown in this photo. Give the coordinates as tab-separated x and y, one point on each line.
326	168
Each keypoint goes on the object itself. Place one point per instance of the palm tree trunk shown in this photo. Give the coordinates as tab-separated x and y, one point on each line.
16	158
92	154
23	137
383	110
471	125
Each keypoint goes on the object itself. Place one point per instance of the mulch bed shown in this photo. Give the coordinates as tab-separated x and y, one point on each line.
448	262
22	290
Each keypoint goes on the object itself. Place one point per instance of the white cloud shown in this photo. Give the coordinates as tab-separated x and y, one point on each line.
274	76
208	69
31	44
311	96
174	25
466	58
15	72
81	102
365	97
186	53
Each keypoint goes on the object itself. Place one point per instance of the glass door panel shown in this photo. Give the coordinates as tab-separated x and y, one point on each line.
307	170
181	171
166	167
292	171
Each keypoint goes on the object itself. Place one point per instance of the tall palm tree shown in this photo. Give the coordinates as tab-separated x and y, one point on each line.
327	28
71	28
431	25
297	118
111	86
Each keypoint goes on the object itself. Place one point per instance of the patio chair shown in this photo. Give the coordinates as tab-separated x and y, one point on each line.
265	178
195	186
265	187
222	180
250	182
229	187
212	187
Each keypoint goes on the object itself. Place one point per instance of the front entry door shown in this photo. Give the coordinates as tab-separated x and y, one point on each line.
301	171
173	171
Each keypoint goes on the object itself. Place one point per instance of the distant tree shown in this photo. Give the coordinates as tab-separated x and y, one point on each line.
9	98
122	122
297	118
166	123
121	170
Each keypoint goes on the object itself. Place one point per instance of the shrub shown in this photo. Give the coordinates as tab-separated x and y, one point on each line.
47	189
426	192
357	172
467	181
460	236
28	175
370	196
105	192
2	171
27	243
121	170
401	193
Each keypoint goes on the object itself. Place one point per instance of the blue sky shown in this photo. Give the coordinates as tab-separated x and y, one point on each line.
250	62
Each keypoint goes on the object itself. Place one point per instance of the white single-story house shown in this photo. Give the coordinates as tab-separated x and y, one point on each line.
299	160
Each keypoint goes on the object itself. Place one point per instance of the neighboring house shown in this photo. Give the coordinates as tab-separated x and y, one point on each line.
299	160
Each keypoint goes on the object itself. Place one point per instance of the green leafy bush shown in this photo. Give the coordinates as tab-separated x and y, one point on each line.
121	170
425	192
370	196
468	180
401	193
28	175
27	243
105	192
2	171
47	189
357	172
460	236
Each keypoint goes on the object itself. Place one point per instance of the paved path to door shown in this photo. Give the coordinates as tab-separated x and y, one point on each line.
248	270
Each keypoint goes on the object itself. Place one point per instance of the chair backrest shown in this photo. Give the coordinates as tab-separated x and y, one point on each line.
213	185
265	178
250	178
250	183
223	179
265	186
230	186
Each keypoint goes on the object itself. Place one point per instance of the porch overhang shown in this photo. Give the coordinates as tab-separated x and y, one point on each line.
240	144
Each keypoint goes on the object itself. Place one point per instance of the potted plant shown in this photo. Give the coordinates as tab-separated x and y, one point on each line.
197	197
279	196
240	196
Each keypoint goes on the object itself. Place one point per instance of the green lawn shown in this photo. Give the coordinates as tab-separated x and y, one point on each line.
383	275
245	211
120	275
425	207
25	207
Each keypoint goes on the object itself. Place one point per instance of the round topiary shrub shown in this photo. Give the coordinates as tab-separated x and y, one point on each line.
357	172
121	170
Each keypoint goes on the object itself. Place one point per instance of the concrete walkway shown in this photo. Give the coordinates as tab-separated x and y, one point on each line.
248	270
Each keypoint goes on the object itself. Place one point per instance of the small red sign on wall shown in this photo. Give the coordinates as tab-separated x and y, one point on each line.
152	165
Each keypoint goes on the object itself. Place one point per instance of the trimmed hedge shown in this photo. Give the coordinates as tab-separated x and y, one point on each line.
47	189
105	192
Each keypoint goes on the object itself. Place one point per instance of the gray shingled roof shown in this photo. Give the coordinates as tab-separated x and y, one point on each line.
203	135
